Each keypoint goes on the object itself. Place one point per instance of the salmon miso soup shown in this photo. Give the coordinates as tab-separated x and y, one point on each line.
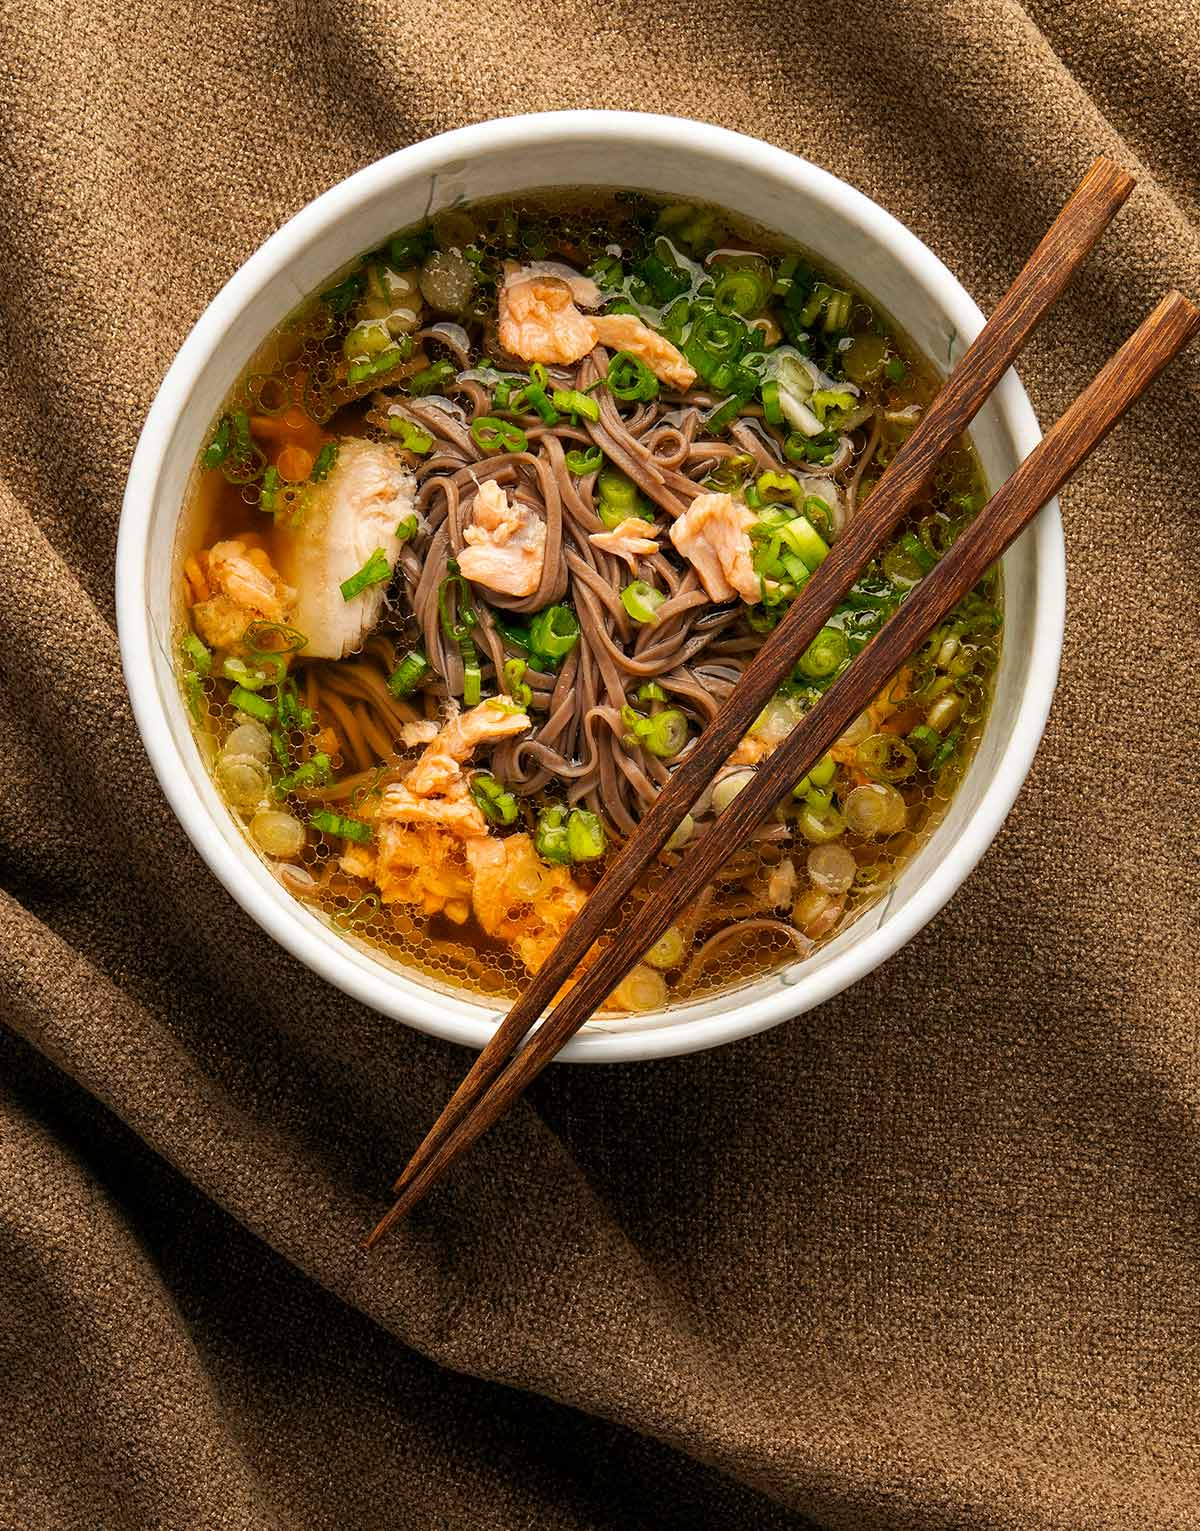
488	529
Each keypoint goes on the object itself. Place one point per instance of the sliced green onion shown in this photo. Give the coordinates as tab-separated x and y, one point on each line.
617	489
569	401
824	655
830	404
895	369
642	601
504	388
253	706
715	339
613	515
779	486
823	772
761	619
217	449
668	951
316	772
514	680
554	632
268	491
346	292
917	551
550	841
273	638
515	632
945	751
772	413
725	414
408	674
287	704
199	655
535	397
493	435
324	462
664	734
886	757
820	449
330	823
244	463
252	679
585	836
651	692
629	378
580	463
925	741
406	530
741	290
607	273
375	366
472	674
805	541
832	301
409	249
374	572
495	802
412	437
458	627
431	380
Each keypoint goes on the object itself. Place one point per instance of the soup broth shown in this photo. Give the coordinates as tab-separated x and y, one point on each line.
489	528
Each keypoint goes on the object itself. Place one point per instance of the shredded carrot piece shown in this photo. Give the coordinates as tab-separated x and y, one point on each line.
901	722
197	583
294	464
291	428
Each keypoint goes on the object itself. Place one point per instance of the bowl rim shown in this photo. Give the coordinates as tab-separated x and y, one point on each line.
272	907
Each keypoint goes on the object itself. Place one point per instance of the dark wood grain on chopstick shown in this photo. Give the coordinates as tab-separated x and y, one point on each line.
1064	247
1088	420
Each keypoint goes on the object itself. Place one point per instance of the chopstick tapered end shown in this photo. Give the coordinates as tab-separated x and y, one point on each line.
388	1220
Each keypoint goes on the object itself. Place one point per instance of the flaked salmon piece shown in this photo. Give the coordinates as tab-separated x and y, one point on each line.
626	332
518	899
714	535
506	543
878	711
423	865
435	791
584	291
627	540
353	513
539	320
453	809
750	751
245	587
421	731
359	861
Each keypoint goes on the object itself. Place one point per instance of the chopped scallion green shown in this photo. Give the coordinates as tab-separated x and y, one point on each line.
554	632
252	705
408	674
579	462
199	655
493	435
330	823
412	437
642	601
375	571
495	801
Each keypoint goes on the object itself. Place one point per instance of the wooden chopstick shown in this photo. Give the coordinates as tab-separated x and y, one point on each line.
1080	429
1062	250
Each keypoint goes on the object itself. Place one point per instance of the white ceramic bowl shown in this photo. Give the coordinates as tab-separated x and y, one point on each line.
659	154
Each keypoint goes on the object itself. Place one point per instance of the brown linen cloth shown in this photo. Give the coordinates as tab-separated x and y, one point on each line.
926	1257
